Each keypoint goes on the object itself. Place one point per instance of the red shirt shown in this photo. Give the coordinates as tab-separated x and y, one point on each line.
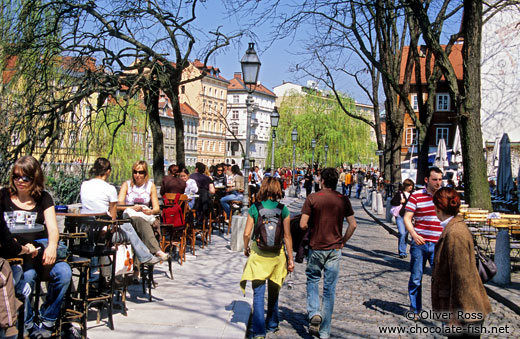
427	225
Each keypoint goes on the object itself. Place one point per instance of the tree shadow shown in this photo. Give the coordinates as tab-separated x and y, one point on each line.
385	306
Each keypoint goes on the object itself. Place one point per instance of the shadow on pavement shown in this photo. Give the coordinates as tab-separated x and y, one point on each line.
385	306
297	320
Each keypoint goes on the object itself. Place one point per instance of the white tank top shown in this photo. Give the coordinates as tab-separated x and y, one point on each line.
139	195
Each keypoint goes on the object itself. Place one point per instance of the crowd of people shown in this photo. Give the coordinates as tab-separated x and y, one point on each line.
429	216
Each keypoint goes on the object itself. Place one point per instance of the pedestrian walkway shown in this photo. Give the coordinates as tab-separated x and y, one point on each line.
203	301
372	293
508	295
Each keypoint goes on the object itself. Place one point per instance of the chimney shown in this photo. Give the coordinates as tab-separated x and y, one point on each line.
237	75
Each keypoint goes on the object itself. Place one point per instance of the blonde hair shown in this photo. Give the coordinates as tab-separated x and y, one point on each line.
143	164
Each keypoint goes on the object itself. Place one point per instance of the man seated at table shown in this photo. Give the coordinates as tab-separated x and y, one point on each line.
172	183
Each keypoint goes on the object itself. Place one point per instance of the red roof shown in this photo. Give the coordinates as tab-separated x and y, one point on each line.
237	84
211	71
455	58
188	110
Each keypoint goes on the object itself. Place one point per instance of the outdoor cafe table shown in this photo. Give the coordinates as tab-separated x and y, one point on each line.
26	233
502	252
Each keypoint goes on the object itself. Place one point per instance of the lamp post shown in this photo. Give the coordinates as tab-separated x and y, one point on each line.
275	117
337	156
313	145
250	68
326	148
294	137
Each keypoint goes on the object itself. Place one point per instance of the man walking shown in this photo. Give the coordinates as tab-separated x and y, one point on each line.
348	183
342	182
325	210
360	181
425	234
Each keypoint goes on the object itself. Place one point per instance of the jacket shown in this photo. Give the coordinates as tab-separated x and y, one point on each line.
8	302
456	284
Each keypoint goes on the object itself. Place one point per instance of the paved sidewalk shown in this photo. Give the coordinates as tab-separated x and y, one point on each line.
508	295
203	301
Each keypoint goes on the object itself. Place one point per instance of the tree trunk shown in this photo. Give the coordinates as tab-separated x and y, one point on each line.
423	150
152	108
475	181
173	95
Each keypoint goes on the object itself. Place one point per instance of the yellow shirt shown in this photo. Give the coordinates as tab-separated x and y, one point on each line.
263	265
348	179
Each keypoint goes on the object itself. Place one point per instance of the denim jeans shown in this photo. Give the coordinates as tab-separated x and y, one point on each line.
349	189
59	280
259	324
403	234
224	201
328	262
419	255
358	190
140	249
343	189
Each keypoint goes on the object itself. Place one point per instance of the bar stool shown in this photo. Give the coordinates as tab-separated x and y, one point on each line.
76	309
236	206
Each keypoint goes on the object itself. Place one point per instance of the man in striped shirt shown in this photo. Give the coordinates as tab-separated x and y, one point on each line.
425	234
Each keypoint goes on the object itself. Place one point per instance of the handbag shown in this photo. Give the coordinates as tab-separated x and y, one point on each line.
396	210
485	266
124	261
173	214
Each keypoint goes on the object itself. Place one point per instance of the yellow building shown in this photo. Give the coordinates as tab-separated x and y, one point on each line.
207	96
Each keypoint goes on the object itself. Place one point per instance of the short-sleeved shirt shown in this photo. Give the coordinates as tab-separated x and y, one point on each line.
427	225
96	196
268	204
45	201
326	210
202	180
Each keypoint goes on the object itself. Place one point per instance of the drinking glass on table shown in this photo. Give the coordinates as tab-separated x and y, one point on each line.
9	219
30	219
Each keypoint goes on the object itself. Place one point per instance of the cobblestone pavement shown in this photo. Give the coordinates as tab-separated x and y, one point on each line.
372	292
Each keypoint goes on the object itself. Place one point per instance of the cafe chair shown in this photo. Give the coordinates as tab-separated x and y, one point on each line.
174	231
236	207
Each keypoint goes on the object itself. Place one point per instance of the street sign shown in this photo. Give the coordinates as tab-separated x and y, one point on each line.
379	152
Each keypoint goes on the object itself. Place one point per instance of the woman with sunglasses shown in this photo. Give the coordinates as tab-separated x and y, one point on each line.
141	193
26	194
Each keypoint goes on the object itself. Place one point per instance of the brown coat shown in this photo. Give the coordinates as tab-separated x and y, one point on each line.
456	284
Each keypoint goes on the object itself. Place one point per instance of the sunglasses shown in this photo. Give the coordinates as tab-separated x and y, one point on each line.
140	172
219	170
24	178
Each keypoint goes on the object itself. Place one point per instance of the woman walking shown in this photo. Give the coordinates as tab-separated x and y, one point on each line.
398	203
267	265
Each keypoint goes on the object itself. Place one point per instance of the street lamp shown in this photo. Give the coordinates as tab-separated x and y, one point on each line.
313	145
326	148
337	162
250	68
275	117
294	137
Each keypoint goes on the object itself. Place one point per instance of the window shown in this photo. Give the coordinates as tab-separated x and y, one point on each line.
441	133
443	102
234	115
234	130
183	89
411	136
235	99
415	103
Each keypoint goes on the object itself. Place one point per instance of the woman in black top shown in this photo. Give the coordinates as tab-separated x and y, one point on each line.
308	181
25	194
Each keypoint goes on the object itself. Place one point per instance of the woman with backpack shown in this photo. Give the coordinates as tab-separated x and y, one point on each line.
398	203
269	259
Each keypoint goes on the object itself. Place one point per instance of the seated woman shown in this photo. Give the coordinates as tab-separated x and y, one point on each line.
191	185
98	196
141	193
236	192
219	181
26	193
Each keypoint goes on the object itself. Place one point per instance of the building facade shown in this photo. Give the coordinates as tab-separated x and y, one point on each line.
207	96
264	101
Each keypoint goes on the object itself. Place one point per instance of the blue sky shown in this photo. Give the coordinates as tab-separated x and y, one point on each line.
277	59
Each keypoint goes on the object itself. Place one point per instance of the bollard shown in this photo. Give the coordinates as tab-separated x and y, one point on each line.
238	225
379	204
502	258
389	215
374	201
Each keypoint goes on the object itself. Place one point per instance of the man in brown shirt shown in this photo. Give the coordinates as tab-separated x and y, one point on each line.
326	209
171	183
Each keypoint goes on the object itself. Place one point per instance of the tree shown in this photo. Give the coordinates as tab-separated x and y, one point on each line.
320	117
142	47
466	97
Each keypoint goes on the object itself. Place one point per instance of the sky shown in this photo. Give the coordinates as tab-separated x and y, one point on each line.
277	59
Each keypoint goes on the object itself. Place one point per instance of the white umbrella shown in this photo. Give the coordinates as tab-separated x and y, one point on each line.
496	156
456	152
411	157
441	157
